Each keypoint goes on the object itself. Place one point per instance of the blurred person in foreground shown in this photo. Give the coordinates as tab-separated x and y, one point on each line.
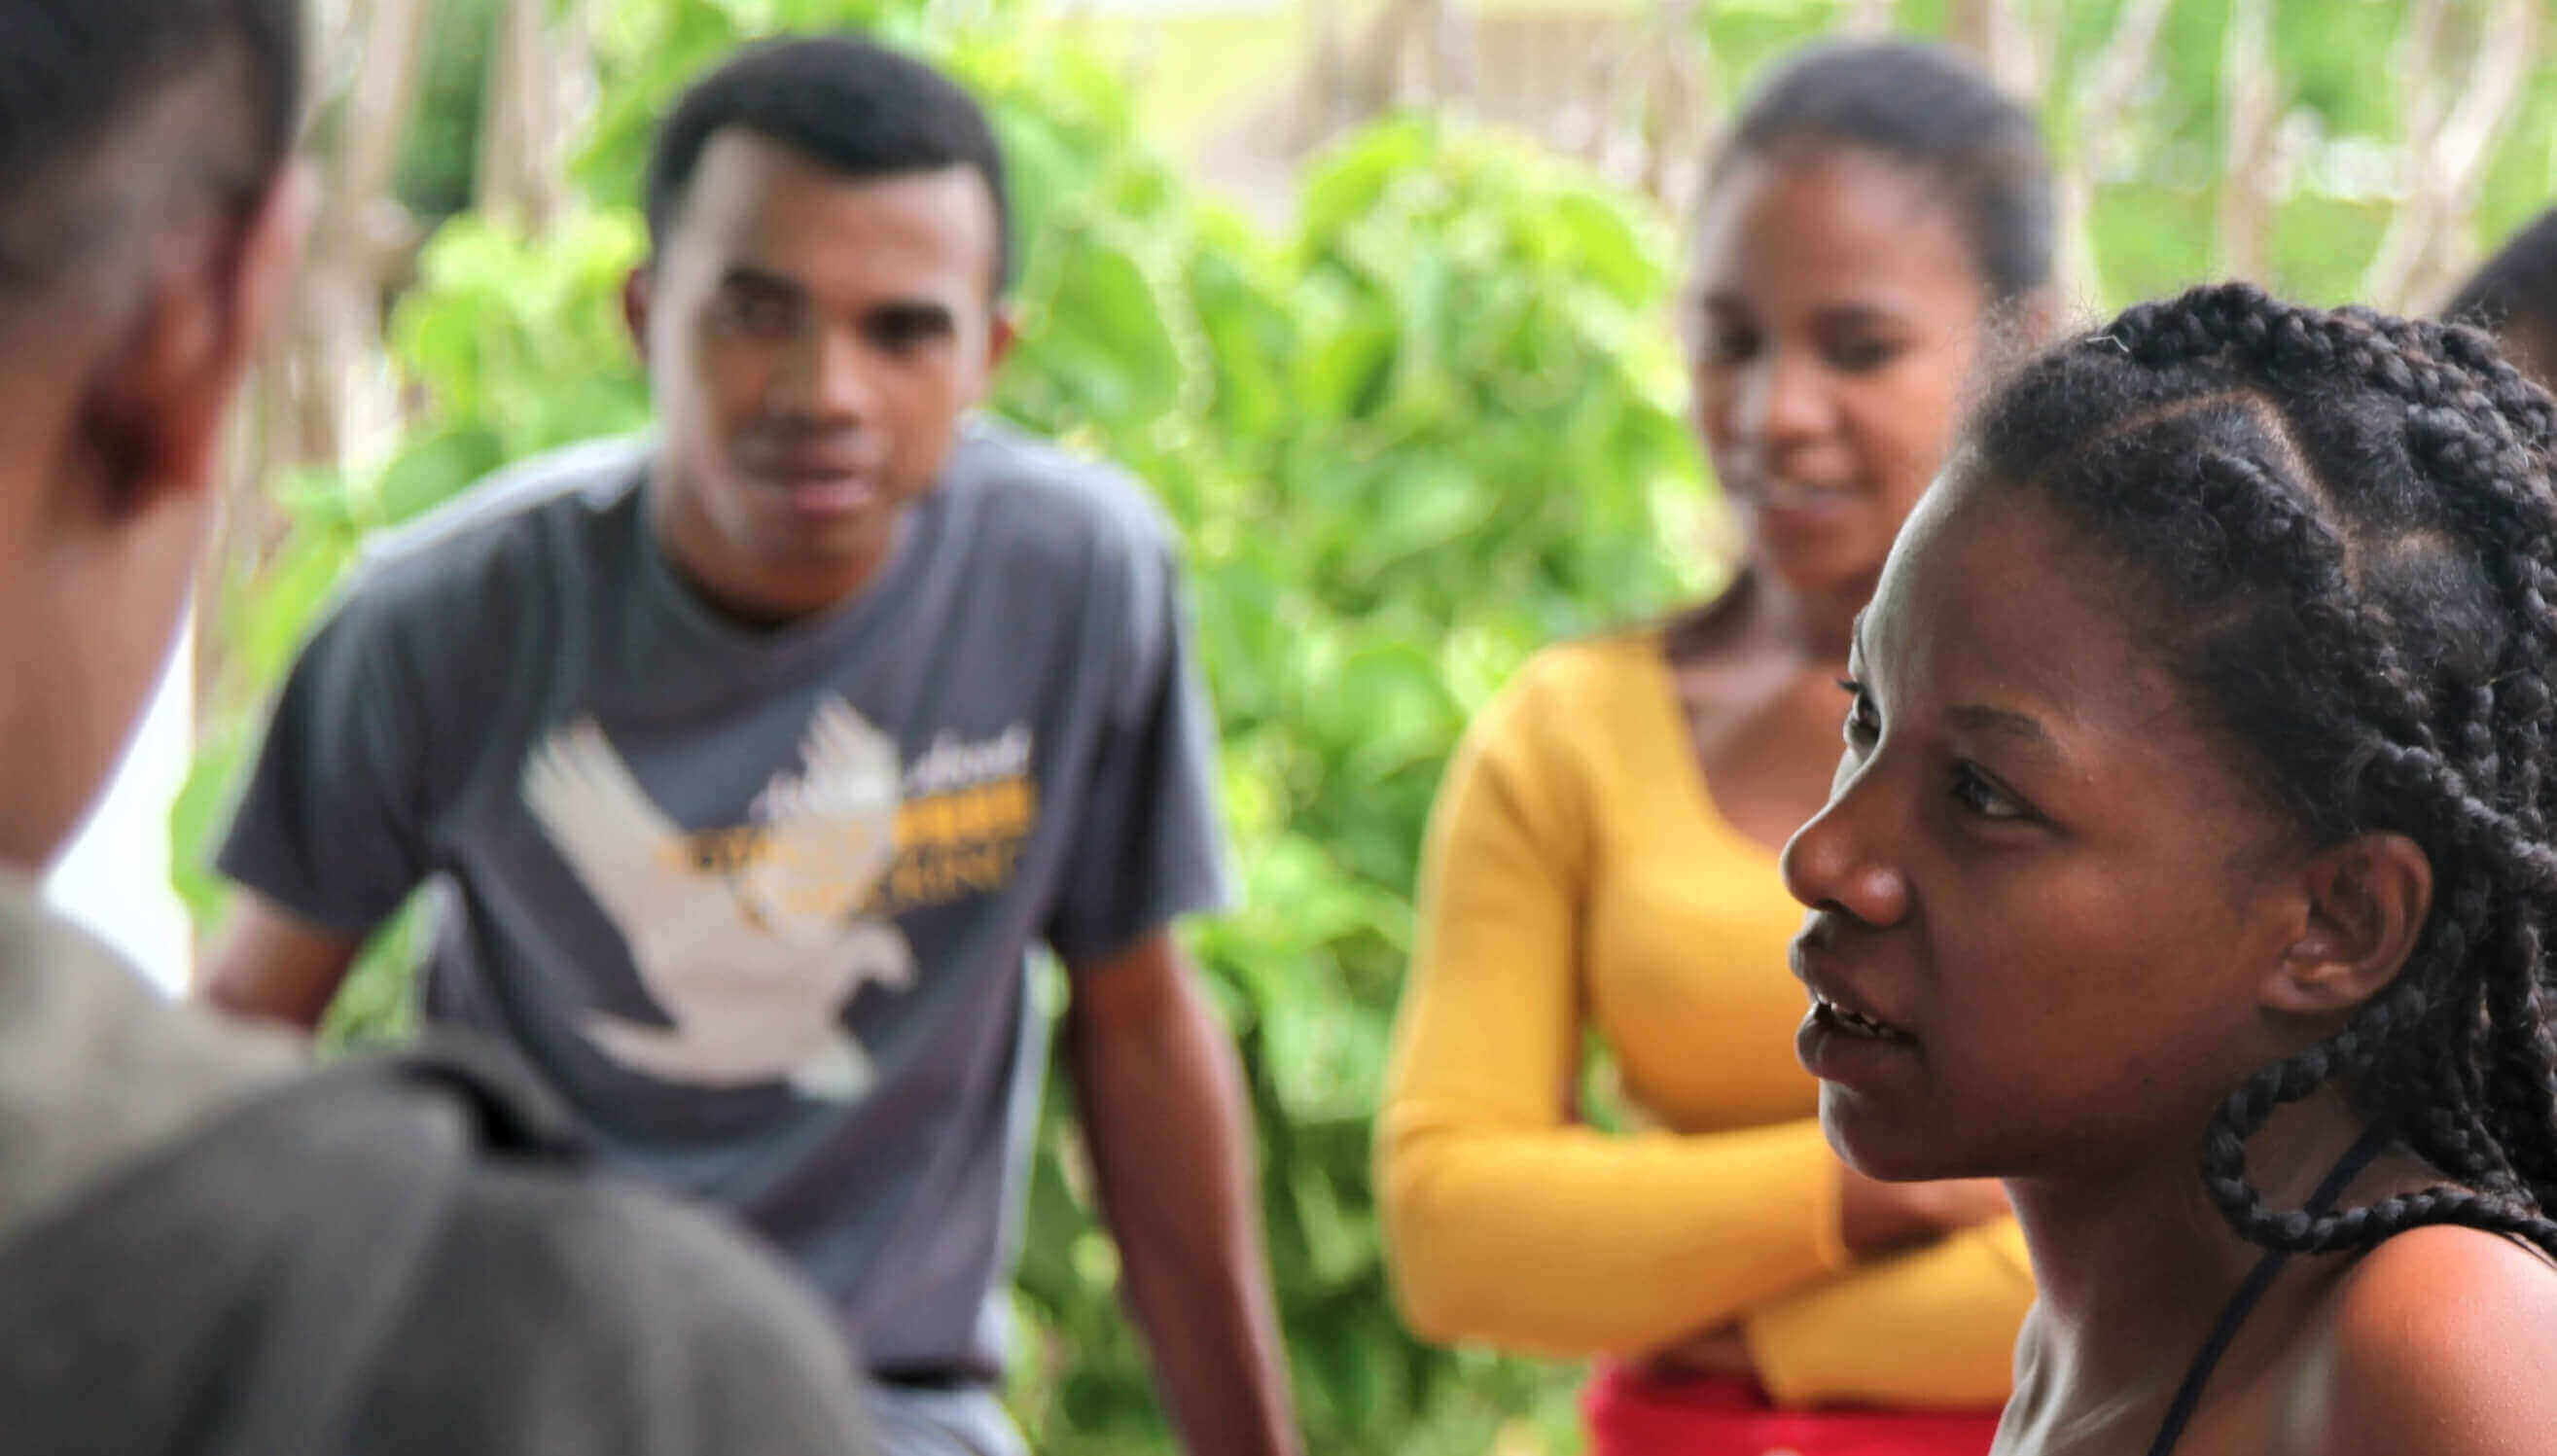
1602	859
2513	296
757	756
204	1247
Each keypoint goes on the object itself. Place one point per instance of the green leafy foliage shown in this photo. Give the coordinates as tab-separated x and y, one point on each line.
439	157
1429	427
1434	426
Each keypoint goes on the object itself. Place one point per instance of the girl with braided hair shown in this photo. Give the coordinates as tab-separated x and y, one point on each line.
2192	865
1601	871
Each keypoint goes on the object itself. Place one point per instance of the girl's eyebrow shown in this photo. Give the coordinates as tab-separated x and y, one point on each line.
1855	312
2019	728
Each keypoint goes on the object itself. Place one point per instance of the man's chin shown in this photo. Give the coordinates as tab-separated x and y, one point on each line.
848	541
817	563
839	499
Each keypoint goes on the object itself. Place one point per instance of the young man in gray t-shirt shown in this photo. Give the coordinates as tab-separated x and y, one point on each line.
755	757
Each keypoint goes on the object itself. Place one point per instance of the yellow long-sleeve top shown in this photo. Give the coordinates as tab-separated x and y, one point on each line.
1577	878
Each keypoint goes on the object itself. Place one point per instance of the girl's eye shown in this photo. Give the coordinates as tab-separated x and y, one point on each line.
1862	355
1729	346
1725	340
1863	723
1978	793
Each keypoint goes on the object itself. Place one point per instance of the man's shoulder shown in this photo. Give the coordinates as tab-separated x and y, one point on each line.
545	1283
402	1241
95	1069
512	523
661	1262
1035	494
559	1294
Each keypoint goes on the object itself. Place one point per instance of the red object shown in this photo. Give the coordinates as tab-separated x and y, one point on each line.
1632	1412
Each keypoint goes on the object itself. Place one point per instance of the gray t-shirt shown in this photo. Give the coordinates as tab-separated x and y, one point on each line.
755	904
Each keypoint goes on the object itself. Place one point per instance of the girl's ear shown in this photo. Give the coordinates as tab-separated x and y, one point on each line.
2367	899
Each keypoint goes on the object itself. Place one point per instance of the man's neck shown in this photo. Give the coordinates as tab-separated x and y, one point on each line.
770	598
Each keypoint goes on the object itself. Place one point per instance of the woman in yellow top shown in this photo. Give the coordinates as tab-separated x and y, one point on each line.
1604	854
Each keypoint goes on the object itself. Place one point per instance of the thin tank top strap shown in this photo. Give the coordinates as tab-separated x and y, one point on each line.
2188	1396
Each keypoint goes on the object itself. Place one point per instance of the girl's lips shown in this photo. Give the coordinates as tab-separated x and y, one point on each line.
1835	1049
1789	496
1814	964
1850	1048
1855	1023
1844	1039
1790	518
1793	493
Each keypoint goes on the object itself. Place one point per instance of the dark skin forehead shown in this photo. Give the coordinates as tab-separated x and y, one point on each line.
750	192
2005	632
1890	245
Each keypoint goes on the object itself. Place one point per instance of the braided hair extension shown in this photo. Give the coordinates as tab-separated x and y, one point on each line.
2343	529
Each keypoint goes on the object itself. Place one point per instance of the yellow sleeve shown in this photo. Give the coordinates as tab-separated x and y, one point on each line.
1935	1328
1503	1222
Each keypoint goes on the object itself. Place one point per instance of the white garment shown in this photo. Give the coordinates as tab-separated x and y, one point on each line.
114	877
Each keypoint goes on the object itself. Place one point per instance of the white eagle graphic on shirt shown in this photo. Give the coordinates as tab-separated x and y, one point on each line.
753	962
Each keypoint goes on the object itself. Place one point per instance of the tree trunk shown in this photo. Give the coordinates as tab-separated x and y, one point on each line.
2251	103
2112	86
540	81
1676	122
2004	38
360	237
1324	107
319	393
1871	18
2455	115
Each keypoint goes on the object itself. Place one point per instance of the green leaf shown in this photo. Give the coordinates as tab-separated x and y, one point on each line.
431	470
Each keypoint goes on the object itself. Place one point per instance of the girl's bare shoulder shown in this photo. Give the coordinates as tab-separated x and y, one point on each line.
2441	1343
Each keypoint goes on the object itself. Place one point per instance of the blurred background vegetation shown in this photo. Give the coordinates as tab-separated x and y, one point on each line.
1378	297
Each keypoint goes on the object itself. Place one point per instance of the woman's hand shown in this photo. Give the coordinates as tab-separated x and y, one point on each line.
1876	1217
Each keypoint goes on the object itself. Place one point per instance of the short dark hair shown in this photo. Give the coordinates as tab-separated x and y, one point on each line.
69	68
858	108
1922	108
2338	531
2517	285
